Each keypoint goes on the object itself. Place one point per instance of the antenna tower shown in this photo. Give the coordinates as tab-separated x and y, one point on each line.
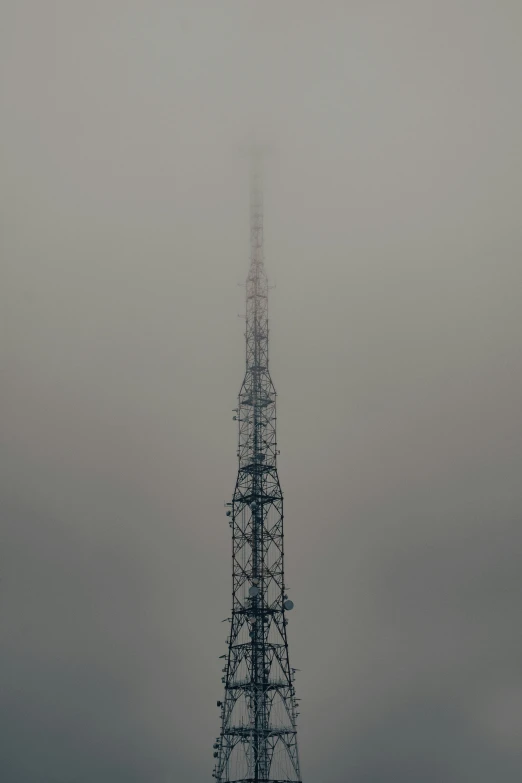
258	739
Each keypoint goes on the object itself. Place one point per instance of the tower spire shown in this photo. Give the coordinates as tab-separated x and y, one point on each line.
256	206
258	738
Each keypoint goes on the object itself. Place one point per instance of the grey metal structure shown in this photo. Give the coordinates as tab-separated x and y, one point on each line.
258	739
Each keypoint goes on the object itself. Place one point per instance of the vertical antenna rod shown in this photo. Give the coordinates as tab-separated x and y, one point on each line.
258	739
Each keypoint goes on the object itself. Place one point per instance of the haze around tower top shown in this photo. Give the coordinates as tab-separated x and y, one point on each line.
392	243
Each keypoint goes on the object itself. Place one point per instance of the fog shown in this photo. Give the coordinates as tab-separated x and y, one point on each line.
393	241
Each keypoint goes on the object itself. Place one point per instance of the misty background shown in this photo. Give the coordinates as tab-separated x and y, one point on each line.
393	237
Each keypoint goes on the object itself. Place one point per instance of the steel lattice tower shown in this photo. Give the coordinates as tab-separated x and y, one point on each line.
258	740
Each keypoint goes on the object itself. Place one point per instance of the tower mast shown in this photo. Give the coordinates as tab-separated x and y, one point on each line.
258	739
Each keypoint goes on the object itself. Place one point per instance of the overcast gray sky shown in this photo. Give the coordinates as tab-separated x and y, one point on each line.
393	235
